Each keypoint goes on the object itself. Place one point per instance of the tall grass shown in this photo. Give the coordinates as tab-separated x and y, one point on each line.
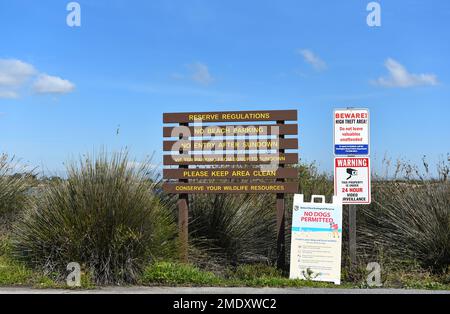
313	182
15	182
234	228
409	219
106	216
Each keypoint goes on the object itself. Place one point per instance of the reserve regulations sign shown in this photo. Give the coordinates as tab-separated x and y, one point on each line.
316	240
351	132
235	152
352	180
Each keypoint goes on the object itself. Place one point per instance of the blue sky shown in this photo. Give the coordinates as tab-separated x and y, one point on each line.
66	90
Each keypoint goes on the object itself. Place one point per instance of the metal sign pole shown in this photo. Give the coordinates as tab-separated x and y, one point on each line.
352	234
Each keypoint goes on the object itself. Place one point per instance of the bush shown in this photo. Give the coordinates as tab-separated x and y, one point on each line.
312	182
177	274
106	216
409	220
15	185
250	272
15	273
234	228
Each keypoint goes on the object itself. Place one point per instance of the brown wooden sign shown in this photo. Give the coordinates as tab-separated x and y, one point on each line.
230	145
282	159
230	130
213	159
230	173
231	116
233	188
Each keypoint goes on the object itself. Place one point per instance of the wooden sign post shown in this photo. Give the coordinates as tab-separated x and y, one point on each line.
221	155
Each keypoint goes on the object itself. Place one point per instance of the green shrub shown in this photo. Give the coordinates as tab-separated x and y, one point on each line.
177	274
409	220
407	278
15	183
15	273
106	215
253	271
234	228
312	182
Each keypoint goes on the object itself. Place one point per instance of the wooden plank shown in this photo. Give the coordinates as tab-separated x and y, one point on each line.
231	130
290	158
230	173
231	144
230	188
231	116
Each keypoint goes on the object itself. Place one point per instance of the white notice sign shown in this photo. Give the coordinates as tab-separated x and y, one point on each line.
352	180
351	132
316	242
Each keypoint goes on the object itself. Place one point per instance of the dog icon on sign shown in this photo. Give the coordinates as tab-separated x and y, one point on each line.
334	230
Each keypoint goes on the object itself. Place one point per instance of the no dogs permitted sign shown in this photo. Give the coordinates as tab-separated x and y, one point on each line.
352	180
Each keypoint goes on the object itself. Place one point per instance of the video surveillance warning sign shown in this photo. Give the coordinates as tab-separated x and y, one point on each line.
351	132
352	180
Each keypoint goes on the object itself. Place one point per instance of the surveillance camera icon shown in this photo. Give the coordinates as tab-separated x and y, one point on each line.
351	172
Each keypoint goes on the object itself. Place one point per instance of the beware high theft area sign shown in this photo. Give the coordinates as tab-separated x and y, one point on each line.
351	132
352	180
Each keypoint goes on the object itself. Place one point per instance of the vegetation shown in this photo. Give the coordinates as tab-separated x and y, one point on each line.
15	182
313	182
409	221
15	273
106	216
110	215
261	275
166	273
233	229
256	275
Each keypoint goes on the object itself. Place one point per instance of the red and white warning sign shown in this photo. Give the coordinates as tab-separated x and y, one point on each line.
352	180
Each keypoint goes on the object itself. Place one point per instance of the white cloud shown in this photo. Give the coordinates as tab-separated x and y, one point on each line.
400	77
8	94
16	75
313	59
200	73
14	72
47	84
